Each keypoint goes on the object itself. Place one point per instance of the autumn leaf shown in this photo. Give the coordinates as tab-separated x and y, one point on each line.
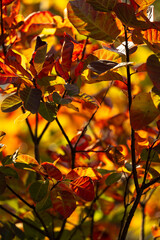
83	187
26	159
7	2
84	171
52	171
11	103
143	111
6	74
48	110
38	190
64	203
89	22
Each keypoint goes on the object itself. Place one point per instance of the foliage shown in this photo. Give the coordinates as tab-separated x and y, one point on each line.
79	121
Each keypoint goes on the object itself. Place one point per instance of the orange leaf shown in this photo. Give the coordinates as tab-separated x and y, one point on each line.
36	21
64	203
52	171
7	2
83	171
6	74
60	70
83	187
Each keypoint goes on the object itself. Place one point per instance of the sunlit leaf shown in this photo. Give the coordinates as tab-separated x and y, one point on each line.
66	53
155	94
83	187
22	117
153	69
89	22
113	178
88	99
36	22
26	159
48	110
52	171
6	74
156	232
89	77
64	203
143	3
39	55
143	111
103	5
50	81
38	190
11	103
31	98
84	171
106	206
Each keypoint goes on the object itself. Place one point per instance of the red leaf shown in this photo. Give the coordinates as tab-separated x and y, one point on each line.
52	171
84	171
60	70
67	50
7	2
83	187
36	21
64	203
83	143
6	74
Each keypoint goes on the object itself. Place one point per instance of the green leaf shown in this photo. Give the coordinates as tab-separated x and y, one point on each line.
128	166
155	94
59	100
7	171
11	103
38	190
88	22
143	111
3	183
31	98
72	89
153	155
113	178
7	160
39	57
44	204
103	5
48	110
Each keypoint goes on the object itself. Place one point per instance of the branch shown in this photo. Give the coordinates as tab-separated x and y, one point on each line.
43	131
32	207
36	141
130	102
22	220
29	126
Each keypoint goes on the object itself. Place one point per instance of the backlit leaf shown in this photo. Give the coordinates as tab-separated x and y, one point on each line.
153	69
31	98
89	77
52	171
103	5
26	159
113	178
11	103
48	110
83	187
89	22
143	3
88	99
64	203
66	53
39	57
6	74
84	171
7	2
143	111
38	190
36	22
51	81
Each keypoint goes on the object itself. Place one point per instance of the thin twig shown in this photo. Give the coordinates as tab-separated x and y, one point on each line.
130	102
62	229
32	207
36	142
43	131
29	126
23	220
